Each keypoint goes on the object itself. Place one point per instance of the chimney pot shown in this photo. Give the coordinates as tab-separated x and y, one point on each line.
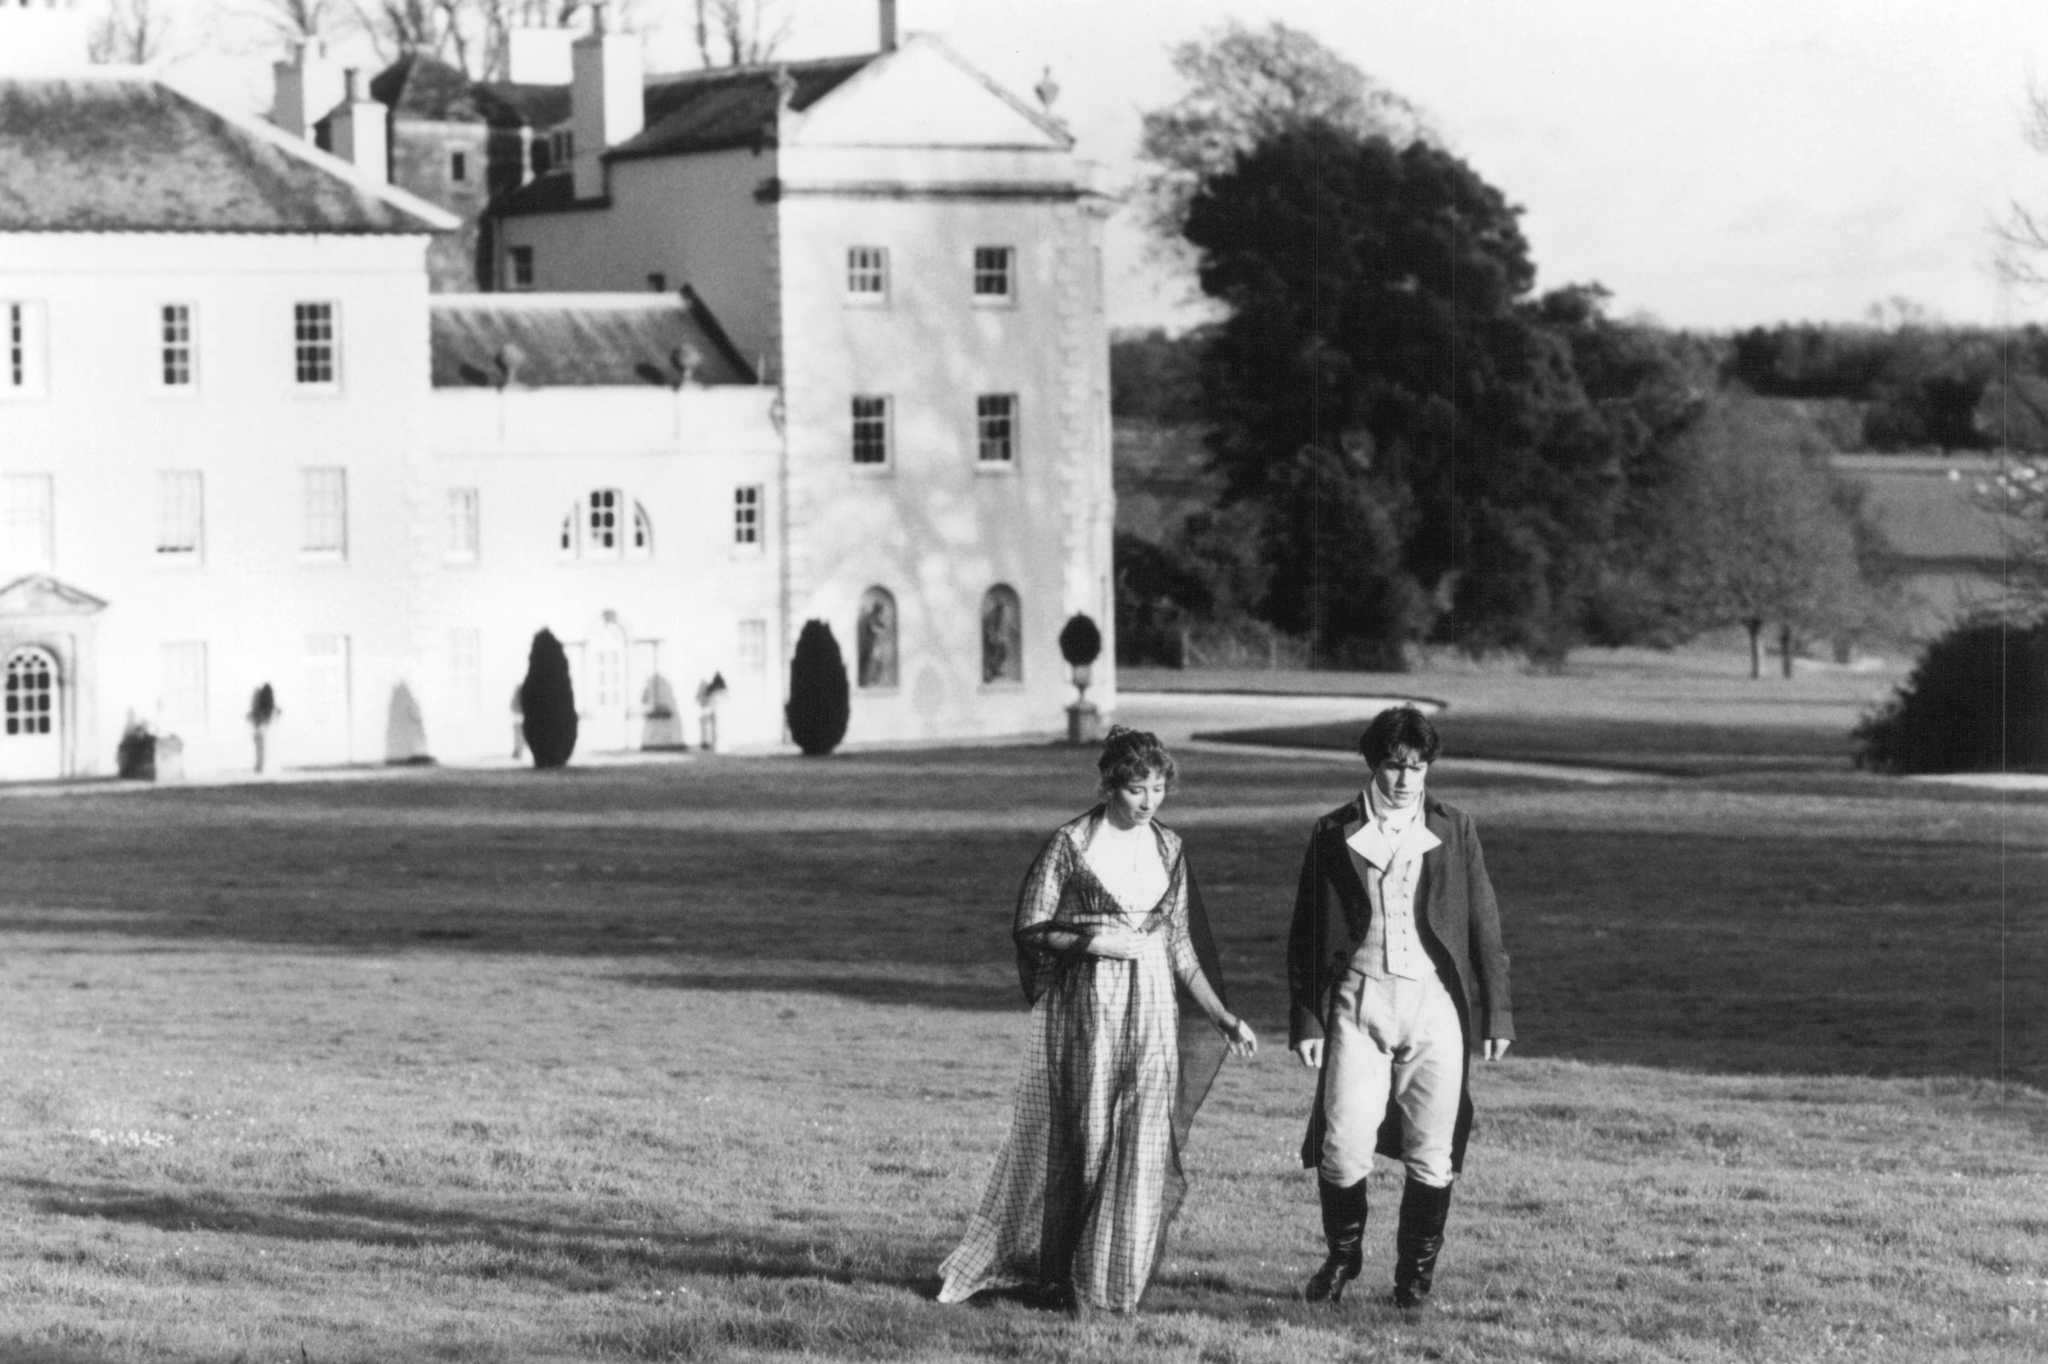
348	85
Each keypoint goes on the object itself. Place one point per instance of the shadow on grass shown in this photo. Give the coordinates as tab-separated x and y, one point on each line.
926	992
579	1255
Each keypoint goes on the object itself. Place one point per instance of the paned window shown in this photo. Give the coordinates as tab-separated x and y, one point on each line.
466	672
1002	635
458	166
180	514
753	647
995	419
994	270
463	528
327	684
746	514
601	528
31	692
183	702
324	505
27	541
313	344
21	348
867	274
657	282
870	429
175	368
519	266
607	525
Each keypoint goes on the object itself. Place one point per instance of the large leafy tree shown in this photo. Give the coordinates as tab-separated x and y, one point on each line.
1377	302
1241	86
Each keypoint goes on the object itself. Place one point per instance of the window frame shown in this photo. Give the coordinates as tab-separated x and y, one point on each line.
198	693
885	417
302	343
462	526
518	268
24	349
45	561
983	298
749	506
311	476
878	268
166	345
166	554
1006	462
458	165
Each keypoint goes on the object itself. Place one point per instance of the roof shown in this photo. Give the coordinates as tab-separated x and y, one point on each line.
504	104
550	192
699	111
122	153
579	341
423	87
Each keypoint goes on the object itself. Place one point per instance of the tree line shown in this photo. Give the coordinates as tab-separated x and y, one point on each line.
1411	445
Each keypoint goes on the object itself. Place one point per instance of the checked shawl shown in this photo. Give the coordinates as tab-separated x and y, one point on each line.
1090	1176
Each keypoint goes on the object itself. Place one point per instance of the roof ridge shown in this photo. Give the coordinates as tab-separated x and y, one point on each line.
711	73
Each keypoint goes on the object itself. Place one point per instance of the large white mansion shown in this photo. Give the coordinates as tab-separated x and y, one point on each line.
241	443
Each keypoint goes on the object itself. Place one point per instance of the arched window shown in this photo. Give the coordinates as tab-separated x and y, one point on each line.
875	638
31	692
1002	635
606	525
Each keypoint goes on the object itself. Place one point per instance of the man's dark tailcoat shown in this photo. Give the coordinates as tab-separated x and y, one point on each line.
1456	919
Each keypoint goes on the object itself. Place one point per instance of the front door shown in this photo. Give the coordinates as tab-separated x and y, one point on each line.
610	695
31	738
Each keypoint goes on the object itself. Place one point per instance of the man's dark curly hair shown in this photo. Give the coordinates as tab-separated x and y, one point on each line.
1129	755
1398	727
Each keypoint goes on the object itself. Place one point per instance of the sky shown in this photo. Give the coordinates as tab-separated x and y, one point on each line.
1714	163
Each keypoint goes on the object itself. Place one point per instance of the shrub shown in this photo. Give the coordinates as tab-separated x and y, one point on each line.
1080	642
819	699
1976	700
547	703
135	755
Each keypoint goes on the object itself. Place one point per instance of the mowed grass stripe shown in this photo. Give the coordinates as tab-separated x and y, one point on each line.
509	1088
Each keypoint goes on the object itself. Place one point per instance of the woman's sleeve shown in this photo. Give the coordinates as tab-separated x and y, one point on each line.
1038	899
1187	967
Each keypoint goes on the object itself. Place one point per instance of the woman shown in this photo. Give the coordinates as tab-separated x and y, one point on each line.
1107	921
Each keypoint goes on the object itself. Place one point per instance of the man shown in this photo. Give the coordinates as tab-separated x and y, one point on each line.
1394	963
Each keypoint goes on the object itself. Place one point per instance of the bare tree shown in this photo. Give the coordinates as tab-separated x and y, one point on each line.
741	32
1244	86
299	21
131	32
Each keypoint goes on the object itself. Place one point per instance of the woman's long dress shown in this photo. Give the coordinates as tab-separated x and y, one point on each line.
1090	1176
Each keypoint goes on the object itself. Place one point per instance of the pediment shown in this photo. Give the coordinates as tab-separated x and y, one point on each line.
38	594
925	95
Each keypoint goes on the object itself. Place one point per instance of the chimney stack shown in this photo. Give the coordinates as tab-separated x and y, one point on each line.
888	25
360	131
308	88
607	100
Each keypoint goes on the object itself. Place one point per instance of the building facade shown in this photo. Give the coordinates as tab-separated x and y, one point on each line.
241	445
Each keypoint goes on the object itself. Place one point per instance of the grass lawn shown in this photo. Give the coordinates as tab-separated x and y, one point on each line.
707	1061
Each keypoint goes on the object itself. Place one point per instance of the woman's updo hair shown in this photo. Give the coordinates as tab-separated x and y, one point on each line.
1130	755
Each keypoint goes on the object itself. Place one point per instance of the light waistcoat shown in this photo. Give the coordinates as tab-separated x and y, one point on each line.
1393	843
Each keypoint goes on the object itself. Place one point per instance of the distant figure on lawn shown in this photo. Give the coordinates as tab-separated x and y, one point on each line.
1107	921
1394	964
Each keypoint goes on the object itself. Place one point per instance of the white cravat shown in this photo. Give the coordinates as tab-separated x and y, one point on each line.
1393	841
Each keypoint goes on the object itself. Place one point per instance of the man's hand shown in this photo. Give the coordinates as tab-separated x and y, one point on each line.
1309	1051
1496	1047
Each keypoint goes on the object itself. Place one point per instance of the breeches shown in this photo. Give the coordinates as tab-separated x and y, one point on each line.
1394	1040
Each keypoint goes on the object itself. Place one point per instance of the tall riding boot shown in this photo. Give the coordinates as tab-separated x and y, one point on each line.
1344	1232
1419	1238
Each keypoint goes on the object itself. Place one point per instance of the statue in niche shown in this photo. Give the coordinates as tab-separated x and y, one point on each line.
875	639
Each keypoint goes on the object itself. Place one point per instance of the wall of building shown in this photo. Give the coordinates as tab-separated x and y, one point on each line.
533	457
938	527
422	162
104	428
693	220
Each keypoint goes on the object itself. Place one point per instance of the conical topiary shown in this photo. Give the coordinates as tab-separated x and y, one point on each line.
547	703
819	699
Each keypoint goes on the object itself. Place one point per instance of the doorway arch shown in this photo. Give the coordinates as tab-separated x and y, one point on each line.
32	716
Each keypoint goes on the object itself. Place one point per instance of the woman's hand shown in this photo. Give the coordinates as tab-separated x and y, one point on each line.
1119	944
1243	1041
